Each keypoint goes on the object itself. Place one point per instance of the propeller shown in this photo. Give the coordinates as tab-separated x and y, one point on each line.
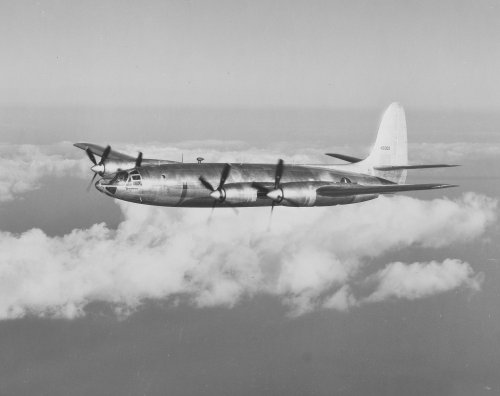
98	168
275	193
138	160
90	154
91	181
218	193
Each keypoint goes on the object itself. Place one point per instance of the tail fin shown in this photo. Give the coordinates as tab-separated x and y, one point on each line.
391	146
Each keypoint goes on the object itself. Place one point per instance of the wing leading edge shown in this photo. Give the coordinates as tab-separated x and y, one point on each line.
98	150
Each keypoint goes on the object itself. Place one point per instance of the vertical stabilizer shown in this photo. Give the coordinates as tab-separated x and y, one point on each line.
391	146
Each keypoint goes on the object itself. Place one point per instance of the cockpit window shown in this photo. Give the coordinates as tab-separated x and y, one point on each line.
120	177
134	179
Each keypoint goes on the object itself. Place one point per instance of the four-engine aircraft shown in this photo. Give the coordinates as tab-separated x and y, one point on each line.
171	183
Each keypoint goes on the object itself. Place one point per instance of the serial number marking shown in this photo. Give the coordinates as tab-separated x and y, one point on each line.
385	147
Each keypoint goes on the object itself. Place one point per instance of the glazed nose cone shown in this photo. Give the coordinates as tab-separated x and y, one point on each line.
99	185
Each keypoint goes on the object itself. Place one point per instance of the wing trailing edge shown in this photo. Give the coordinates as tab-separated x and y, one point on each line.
401	167
343	190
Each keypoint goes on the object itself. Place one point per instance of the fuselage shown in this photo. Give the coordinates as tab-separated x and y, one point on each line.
179	185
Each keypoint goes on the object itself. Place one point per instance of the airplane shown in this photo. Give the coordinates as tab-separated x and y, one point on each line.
170	183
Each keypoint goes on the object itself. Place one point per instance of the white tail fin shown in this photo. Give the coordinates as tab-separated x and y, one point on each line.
391	146
389	156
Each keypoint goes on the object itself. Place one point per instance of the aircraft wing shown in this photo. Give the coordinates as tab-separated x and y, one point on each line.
398	167
343	157
98	150
342	190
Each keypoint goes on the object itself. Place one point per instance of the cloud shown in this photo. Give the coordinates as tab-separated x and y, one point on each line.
23	167
417	280
310	259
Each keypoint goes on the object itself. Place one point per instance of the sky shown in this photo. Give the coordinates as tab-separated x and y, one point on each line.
393	296
250	53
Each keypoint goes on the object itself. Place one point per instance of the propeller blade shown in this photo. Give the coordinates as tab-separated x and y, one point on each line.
91	181
209	220
270	217
105	154
138	161
223	177
278	174
90	154
236	212
205	182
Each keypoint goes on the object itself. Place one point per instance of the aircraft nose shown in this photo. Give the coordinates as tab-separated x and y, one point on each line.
105	187
99	185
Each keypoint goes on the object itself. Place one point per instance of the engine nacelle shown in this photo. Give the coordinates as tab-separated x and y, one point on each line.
239	193
112	166
295	194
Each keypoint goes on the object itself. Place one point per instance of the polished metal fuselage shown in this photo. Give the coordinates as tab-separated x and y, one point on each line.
179	185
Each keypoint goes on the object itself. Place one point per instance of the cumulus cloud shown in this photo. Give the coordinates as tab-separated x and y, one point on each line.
417	280
310	259
24	166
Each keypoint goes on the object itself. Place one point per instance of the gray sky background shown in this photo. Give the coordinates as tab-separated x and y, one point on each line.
251	53
234	81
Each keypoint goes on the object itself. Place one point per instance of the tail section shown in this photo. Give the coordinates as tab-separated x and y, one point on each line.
389	156
391	146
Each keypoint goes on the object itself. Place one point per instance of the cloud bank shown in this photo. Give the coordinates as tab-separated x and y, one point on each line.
23	167
312	258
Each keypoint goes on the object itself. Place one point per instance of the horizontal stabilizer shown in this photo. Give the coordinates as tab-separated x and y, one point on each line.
343	157
343	190
400	167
